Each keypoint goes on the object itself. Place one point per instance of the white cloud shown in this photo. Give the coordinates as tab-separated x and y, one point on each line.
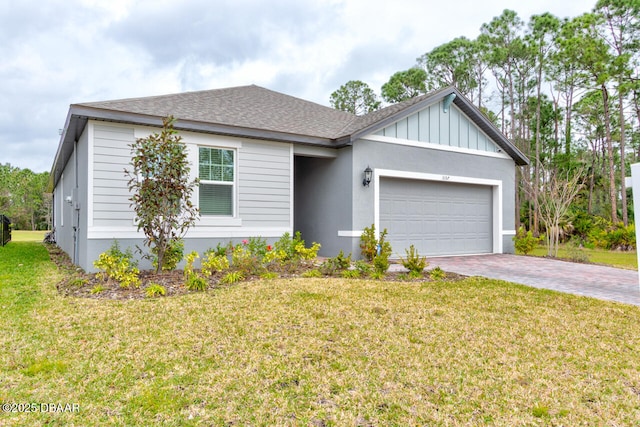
61	52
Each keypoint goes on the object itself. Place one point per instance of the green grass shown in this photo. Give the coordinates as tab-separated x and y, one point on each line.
316	352
620	259
27	236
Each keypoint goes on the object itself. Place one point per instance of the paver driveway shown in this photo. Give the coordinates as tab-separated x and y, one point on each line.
582	279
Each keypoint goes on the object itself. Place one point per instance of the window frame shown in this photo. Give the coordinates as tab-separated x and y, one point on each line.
233	184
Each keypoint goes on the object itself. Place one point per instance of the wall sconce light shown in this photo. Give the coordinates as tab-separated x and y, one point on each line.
367	176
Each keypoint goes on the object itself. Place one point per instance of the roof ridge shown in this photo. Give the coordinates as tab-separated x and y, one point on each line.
165	95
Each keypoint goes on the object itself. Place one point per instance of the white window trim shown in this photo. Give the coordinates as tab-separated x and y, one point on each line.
494	183
212	220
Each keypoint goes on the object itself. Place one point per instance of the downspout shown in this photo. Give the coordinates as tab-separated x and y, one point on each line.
76	204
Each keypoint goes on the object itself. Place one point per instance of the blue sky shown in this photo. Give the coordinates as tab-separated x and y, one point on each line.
55	53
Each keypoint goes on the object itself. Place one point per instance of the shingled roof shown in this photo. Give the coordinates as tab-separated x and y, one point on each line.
255	112
250	107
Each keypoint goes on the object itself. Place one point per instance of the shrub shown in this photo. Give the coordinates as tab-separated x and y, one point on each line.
335	264
288	253
196	283
78	281
269	275
312	273
381	263
173	254
575	254
598	232
220	249
97	289
350	274
378	275
524	242
414	262
188	268
363	267
155	290
370	246
257	247
437	274
621	238
214	262
243	260
288	249
118	266
232	277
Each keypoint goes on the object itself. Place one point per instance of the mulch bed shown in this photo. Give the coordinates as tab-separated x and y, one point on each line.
78	283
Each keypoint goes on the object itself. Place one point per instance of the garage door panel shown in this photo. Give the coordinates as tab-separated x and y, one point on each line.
438	218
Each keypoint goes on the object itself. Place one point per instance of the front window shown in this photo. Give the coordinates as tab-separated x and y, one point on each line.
217	178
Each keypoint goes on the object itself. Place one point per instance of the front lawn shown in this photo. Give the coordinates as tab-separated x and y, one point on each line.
620	259
27	235
315	352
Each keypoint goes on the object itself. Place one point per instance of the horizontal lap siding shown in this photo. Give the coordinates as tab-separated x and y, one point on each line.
264	184
264	180
111	154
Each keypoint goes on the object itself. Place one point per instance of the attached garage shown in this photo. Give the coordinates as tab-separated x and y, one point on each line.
439	215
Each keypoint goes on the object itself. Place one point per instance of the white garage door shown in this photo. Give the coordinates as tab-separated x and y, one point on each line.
438	218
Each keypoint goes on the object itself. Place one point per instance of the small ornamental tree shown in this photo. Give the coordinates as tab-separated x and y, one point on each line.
554	200
162	189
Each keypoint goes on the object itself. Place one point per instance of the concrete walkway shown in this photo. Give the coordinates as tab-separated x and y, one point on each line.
595	281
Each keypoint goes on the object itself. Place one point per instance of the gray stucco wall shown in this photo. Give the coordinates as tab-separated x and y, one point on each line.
330	196
67	221
425	160
323	193
63	225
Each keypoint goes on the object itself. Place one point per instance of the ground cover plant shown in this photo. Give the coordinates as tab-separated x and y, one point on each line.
251	259
315	351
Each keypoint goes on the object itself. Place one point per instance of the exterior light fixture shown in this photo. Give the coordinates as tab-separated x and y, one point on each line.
367	176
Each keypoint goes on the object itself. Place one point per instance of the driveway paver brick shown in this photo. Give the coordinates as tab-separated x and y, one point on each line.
590	280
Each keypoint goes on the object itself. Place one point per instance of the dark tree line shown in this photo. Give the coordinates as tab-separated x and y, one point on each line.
24	198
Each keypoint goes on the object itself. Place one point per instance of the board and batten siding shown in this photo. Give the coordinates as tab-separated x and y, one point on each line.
433	125
264	179
264	187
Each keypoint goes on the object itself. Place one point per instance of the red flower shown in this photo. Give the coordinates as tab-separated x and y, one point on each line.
268	247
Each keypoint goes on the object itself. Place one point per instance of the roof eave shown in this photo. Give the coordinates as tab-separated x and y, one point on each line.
490	129
73	128
79	115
